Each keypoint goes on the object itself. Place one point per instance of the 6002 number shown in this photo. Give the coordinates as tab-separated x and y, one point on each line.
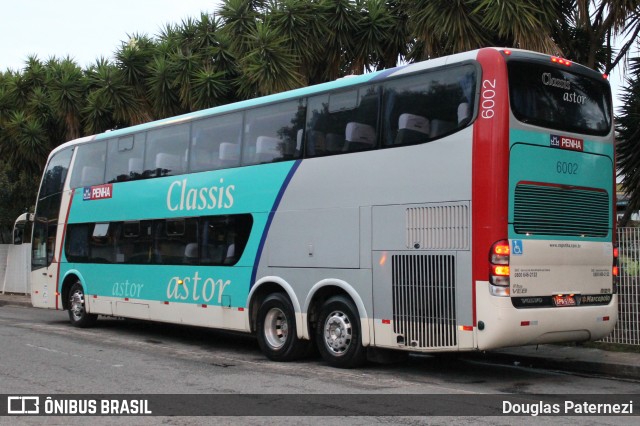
566	168
488	99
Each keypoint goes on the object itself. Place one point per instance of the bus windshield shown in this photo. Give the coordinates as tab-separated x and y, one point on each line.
546	96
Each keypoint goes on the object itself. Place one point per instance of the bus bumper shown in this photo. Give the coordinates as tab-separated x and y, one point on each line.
500	325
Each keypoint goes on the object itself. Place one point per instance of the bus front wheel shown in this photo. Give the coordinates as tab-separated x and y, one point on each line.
78	314
338	334
276	329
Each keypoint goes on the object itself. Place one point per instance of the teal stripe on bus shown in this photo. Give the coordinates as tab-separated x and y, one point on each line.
254	190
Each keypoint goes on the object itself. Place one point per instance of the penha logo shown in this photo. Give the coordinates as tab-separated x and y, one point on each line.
565	142
97	192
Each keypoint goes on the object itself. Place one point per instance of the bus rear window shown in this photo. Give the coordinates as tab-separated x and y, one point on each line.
558	99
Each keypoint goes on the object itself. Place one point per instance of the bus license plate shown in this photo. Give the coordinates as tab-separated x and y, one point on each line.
564	300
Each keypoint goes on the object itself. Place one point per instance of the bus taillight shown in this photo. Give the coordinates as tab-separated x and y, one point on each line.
499	268
615	270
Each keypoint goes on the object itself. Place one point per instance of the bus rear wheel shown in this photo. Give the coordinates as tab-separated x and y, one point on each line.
277	332
78	314
338	334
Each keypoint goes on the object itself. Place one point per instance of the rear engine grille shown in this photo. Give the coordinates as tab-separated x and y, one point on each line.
561	210
424	308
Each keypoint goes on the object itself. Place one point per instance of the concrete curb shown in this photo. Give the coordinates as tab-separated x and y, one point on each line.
625	365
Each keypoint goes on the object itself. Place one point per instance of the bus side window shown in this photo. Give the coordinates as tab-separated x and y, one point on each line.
77	242
223	238
166	151
212	136
342	122
427	107
271	132
89	165
124	158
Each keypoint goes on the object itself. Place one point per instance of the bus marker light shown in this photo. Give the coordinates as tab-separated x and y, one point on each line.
204	306
126	299
241	309
180	282
465	328
500	270
506	52
95	296
561	61
386	321
165	303
524	323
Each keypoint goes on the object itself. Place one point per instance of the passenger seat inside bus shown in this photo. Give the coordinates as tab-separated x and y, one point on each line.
464	114
191	254
359	137
135	168
316	144
91	176
412	129
440	127
267	149
334	143
168	164
229	154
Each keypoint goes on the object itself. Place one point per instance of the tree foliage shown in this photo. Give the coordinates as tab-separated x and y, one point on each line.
628	147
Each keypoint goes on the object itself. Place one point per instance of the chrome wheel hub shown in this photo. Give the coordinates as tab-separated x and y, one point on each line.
338	333
276	328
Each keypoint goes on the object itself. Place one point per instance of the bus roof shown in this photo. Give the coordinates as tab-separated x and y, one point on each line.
344	82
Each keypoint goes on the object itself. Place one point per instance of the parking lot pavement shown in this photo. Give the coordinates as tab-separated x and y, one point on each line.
562	357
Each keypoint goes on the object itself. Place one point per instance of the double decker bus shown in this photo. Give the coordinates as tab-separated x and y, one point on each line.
462	203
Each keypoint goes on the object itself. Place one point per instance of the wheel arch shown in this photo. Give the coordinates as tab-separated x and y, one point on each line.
327	288
261	290
69	278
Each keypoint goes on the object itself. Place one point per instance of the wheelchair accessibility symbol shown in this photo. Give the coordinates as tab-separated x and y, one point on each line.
516	247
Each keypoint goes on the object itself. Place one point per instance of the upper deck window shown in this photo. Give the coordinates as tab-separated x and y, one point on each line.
546	96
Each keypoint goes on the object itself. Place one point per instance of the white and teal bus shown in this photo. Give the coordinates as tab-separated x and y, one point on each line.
463	203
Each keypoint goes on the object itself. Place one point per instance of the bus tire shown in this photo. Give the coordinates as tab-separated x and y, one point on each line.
276	330
338	334
78	315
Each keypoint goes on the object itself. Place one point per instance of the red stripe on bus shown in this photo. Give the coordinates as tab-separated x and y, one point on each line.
490	166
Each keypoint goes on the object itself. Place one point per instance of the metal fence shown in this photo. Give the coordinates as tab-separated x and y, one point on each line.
627	331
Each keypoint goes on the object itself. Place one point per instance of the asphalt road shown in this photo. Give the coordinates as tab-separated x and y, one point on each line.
40	353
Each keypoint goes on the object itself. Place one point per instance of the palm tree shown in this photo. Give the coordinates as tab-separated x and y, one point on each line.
443	27
110	100
133	59
297	21
339	20
67	87
28	145
587	30
628	146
